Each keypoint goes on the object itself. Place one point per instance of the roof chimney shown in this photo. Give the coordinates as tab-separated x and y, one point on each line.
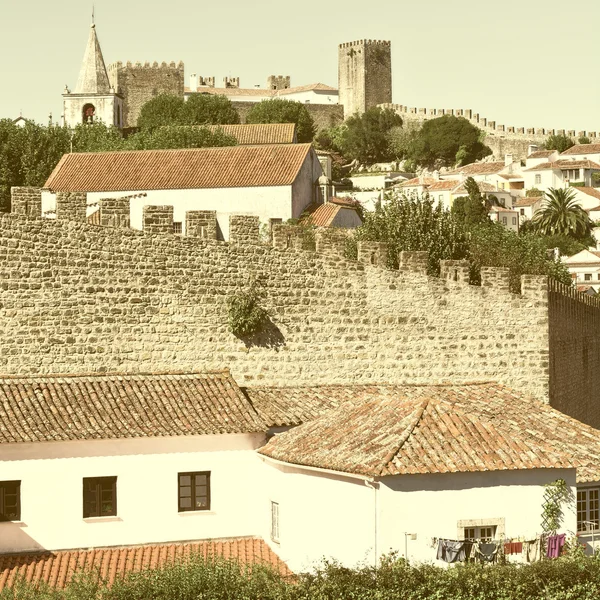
531	149
193	82
508	160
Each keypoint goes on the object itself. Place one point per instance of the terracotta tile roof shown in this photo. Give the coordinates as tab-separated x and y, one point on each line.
483	187
403	429
323	215
58	568
192	168
445	185
484	168
593	209
317	87
510	177
258	134
590	191
530	201
417	181
541	154
582	149
566	164
84	407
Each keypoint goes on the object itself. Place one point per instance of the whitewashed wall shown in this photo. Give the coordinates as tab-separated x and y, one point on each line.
325	514
51	476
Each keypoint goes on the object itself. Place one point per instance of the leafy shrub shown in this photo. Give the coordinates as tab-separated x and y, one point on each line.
245	315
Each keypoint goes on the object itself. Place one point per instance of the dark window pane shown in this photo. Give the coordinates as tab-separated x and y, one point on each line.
185	480
185	503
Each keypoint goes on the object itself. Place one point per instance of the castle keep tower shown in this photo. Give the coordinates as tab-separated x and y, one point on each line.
139	83
364	75
94	99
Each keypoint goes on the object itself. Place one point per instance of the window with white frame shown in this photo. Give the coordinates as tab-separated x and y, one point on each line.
275	521
538	179
587	509
481	529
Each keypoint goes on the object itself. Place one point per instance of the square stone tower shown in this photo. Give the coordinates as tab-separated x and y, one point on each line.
364	75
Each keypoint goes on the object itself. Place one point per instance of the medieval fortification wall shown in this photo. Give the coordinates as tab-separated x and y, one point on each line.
77	297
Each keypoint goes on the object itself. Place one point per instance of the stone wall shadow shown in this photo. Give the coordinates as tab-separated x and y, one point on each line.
269	336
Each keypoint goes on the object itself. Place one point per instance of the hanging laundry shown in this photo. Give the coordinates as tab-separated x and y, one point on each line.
532	550
452	551
555	545
513	547
487	551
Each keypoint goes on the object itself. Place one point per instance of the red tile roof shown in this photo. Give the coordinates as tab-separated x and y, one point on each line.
415	181
445	185
403	429
483	168
528	201
58	568
257	134
566	164
541	154
590	191
582	149
192	168
483	187
323	215
86	407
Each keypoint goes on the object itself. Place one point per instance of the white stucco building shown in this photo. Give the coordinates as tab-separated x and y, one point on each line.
273	181
343	472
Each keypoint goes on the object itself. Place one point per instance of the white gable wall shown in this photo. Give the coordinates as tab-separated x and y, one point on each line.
344	518
51	475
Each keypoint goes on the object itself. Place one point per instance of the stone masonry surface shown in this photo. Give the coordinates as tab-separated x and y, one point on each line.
26	201
78	298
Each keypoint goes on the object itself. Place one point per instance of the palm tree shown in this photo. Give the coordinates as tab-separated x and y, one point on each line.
562	215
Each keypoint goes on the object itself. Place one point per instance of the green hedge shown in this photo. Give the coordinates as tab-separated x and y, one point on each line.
567	578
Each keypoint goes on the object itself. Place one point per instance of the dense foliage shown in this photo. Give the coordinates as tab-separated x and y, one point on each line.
199	109
421	224
471	209
446	141
245	315
558	142
365	137
279	110
562	214
572	577
29	154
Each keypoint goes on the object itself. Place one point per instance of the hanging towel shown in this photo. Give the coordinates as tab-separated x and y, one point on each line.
532	550
452	551
555	545
513	548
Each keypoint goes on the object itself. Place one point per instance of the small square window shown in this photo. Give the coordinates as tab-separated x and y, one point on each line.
10	500
99	497
193	491
504	220
177	227
587	277
538	179
484	533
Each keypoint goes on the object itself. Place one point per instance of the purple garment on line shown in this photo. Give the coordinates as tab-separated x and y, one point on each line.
555	545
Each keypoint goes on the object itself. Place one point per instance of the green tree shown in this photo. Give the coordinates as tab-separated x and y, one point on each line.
534	193
401	138
445	141
96	138
496	246
278	110
204	109
163	138
558	142
584	139
164	109
366	138
562	215
415	224
471	209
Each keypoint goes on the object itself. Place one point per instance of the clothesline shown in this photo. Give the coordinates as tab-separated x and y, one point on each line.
486	551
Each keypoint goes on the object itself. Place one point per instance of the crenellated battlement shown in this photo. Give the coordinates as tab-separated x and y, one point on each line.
491	127
365	43
77	297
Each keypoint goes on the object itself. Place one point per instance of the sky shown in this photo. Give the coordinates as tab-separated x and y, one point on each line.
525	63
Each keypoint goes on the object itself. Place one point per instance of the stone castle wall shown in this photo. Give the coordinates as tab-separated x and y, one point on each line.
500	138
75	297
139	83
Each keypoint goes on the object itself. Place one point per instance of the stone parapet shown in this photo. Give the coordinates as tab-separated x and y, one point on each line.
455	270
415	262
331	241
71	206
158	219
201	224
26	201
244	229
495	277
115	212
373	253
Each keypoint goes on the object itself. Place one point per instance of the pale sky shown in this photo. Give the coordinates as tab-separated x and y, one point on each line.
526	63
